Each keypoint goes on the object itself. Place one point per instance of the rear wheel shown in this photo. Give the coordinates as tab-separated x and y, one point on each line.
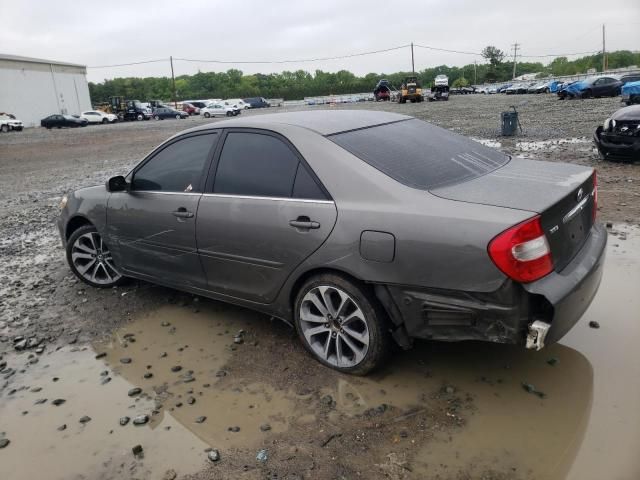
90	259
207	115
178	117
229	114
140	117
587	94
341	324
156	117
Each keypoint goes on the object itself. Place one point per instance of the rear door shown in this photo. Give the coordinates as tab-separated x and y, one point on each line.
152	226
262	214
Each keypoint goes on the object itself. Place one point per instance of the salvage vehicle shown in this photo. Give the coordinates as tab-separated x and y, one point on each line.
411	90
541	87
619	137
96	116
373	228
631	93
382	91
630	77
238	102
190	109
257	102
216	110
60	121
9	122
165	112
591	87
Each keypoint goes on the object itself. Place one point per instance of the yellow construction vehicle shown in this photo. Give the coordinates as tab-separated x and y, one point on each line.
410	90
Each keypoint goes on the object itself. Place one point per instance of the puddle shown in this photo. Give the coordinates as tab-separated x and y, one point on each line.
586	426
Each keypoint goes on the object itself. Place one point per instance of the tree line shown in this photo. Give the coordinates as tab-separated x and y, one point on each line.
299	84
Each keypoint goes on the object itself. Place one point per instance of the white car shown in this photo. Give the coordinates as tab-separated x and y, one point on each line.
96	116
241	104
234	106
217	110
8	122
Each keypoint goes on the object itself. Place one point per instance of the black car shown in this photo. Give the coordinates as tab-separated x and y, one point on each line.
630	77
619	137
161	113
256	102
60	121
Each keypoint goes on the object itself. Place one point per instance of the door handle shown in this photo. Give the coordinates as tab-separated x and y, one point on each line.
304	223
182	213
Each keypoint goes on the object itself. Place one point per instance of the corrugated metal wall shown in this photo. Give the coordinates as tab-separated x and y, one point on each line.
32	91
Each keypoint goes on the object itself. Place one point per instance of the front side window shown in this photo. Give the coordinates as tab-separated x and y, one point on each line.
177	167
257	165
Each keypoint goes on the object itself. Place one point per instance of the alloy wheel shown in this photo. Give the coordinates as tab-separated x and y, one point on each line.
92	259
334	326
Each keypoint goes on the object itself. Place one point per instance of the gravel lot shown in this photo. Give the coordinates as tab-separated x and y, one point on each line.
40	299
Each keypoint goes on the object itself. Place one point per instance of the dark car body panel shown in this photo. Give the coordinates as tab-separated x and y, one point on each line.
622	140
59	121
405	242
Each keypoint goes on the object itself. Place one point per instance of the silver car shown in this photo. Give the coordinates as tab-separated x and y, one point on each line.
360	228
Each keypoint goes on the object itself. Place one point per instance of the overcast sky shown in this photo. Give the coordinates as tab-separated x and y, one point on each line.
110	32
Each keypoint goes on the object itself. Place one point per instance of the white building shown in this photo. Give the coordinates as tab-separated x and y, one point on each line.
32	88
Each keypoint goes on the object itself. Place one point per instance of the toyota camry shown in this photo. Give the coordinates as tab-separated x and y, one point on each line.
359	228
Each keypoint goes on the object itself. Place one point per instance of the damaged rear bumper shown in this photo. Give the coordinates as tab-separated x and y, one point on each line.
532	314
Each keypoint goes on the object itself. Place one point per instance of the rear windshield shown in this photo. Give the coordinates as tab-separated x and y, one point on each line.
420	155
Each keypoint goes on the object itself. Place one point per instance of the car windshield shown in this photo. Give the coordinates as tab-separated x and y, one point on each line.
420	155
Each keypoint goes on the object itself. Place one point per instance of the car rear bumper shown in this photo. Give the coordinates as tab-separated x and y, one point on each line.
504	316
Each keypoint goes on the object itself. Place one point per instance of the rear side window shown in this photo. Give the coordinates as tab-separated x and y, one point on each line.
306	187
177	167
257	165
420	155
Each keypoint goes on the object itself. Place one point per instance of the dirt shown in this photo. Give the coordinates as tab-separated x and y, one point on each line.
441	411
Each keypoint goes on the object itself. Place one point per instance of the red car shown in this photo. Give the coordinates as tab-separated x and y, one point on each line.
190	109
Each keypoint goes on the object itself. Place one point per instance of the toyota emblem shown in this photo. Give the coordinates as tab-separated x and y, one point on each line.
579	194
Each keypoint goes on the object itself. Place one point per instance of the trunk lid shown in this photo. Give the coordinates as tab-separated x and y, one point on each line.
561	193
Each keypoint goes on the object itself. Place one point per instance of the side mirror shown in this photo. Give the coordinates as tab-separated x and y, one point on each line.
117	184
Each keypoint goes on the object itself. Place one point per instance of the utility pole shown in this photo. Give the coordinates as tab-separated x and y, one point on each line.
515	56
475	73
604	52
173	80
413	68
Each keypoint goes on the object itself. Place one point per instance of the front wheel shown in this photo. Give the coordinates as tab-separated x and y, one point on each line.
229	114
105	121
140	117
207	115
5	128
90	259
341	324
178	117
156	117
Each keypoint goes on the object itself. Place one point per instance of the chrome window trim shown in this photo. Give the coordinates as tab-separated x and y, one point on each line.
163	193
253	197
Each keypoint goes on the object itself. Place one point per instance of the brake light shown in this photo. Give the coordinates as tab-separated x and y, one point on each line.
594	194
522	252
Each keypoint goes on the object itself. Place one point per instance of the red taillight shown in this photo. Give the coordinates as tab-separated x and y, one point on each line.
594	194
522	251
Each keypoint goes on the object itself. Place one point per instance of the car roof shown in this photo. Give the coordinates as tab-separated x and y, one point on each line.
324	122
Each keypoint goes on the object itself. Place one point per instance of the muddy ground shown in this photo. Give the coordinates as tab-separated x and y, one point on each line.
440	411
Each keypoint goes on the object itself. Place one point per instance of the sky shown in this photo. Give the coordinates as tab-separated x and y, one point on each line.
98	33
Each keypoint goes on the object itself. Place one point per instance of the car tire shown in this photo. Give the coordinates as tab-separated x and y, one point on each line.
5	128
178	117
587	94
140	117
90	259
229	114
323	308
105	120
207	115
156	117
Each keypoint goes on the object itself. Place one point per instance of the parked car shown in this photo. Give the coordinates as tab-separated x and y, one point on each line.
59	121
630	77
217	110
9	122
413	245
382	90
161	113
503	88
241	104
513	89
631	93
619	137
539	87
96	116
190	108
592	87
197	103
225	103
257	102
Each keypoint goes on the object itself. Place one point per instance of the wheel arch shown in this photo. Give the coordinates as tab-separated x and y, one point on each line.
74	224
304	276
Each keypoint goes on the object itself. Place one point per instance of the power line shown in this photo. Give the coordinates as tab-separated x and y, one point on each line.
559	54
446	50
128	64
302	60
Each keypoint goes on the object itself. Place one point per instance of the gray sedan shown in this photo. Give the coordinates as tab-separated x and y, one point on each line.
360	228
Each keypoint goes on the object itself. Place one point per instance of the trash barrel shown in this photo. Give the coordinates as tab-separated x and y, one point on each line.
509	123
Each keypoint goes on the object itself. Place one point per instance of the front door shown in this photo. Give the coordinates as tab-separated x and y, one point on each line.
264	214
151	227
